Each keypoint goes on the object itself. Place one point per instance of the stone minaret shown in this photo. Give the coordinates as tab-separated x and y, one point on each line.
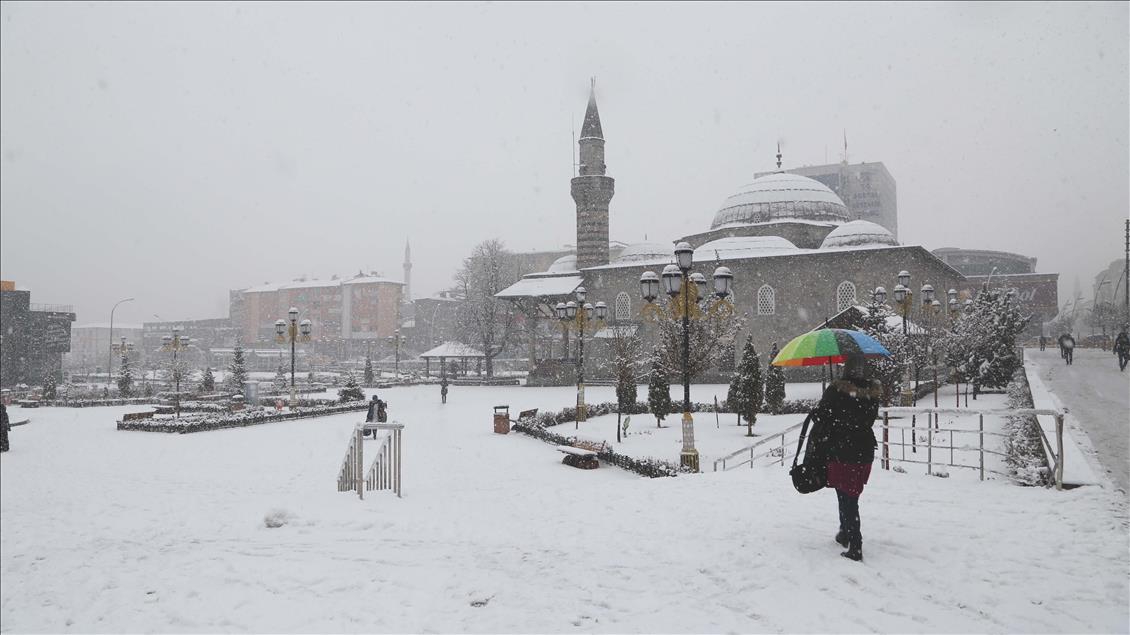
592	191
407	272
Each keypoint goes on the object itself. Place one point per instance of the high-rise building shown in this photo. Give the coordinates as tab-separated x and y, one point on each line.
867	189
33	337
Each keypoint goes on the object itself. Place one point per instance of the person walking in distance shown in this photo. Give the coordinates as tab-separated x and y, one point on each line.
1122	349
443	390
845	416
1043	342
1067	347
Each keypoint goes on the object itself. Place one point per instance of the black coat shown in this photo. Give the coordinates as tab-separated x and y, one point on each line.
843	421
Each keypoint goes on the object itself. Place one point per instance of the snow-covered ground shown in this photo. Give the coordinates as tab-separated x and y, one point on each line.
107	531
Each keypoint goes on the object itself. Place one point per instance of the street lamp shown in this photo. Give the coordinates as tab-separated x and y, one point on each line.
110	362
678	281
294	332
574	315
175	343
395	340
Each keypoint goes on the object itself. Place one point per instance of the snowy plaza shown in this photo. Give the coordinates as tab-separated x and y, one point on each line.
108	531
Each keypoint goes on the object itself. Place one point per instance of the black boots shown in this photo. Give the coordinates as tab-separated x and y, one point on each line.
854	552
842	538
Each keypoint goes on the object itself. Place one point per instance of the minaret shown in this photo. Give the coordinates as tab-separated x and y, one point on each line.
592	191
407	272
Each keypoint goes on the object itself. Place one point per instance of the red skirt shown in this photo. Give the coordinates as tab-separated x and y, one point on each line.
848	477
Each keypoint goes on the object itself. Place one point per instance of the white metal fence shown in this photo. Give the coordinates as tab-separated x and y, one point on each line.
779	447
383	472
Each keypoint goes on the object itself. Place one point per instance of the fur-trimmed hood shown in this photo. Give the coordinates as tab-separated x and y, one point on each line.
873	391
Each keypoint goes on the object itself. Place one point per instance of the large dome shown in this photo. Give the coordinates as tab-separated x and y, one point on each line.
743	247
858	233
646	252
564	264
781	196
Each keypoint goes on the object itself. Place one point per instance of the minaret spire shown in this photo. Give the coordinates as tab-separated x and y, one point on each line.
407	271
778	156
592	189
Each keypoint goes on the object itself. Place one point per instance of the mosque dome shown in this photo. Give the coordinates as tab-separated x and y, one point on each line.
646	252
781	196
858	233
743	247
564	264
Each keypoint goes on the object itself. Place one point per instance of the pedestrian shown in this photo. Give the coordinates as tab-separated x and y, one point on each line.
1122	349
382	412
1043	342
844	418
4	428
443	390
1067	347
371	415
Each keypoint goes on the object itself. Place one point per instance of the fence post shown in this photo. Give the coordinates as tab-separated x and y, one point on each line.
981	435
886	440
1059	451
782	449
399	472
913	435
929	450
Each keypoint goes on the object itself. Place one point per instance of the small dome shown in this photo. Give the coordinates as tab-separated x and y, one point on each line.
639	252
858	233
743	247
563	264
781	196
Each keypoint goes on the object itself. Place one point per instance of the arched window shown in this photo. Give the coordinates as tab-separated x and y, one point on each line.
623	306
766	300
845	295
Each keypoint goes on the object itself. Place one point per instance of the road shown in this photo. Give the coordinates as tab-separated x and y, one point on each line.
1098	395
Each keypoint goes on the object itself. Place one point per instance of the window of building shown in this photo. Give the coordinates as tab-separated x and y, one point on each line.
766	300
845	295
623	306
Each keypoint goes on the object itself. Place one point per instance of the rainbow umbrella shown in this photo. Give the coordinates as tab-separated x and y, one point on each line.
828	346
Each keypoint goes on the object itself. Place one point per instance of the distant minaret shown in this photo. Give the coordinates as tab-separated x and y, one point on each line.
592	191
407	272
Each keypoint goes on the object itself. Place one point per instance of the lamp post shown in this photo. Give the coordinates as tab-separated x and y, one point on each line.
294	332
904	297
176	343
684	290
395	341
110	362
575	315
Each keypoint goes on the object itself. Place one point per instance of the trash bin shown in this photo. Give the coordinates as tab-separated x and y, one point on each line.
502	419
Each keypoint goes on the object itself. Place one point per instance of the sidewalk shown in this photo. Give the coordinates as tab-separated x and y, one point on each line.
1077	466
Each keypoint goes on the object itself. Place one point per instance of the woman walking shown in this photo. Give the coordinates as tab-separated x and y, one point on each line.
845	416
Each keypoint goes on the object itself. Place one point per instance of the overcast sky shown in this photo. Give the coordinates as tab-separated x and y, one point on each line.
173	152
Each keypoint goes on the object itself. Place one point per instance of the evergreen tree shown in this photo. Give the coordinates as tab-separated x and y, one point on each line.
237	372
747	391
774	385
658	393
125	378
208	383
147	390
368	370
280	378
351	391
983	347
50	390
888	370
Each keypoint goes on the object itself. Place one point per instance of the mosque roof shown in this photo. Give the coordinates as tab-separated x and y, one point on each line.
858	233
540	287
744	247
646	251
781	195
564	264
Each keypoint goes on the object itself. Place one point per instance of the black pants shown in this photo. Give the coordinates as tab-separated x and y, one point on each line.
1068	354
849	518
1123	358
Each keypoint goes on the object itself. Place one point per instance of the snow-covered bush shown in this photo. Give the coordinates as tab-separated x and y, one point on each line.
205	422
1023	448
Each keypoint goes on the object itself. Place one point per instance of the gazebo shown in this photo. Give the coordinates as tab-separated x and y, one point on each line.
453	350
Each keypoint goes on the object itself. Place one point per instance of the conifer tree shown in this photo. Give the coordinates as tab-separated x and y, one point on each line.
658	393
280	378
351	391
237	372
147	390
368	370
50	390
747	390
208	383
125	378
774	385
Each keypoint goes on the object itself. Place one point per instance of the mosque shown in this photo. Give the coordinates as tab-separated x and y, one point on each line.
797	254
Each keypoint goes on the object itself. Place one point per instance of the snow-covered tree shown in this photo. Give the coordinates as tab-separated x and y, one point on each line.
774	385
208	383
351	391
711	332
888	370
237	372
280	381
125	378
147	390
983	347
484	321
368	370
747	390
658	393
50	391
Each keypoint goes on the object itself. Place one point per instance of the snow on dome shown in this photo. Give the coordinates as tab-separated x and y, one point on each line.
779	196
646	252
563	264
858	233
743	247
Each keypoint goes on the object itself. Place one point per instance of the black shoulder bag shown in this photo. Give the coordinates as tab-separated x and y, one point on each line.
812	475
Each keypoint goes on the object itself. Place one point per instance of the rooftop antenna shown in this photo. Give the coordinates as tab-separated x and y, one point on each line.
845	146
778	156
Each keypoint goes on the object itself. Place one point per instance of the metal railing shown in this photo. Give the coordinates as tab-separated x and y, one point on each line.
51	308
778	447
383	473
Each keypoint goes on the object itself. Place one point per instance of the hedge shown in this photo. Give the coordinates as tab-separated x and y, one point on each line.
242	419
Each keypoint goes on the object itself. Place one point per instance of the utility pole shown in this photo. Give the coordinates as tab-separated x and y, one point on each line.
1126	275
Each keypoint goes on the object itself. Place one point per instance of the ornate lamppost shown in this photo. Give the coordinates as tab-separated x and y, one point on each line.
395	340
575	315
294	332
110	364
685	290
175	343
